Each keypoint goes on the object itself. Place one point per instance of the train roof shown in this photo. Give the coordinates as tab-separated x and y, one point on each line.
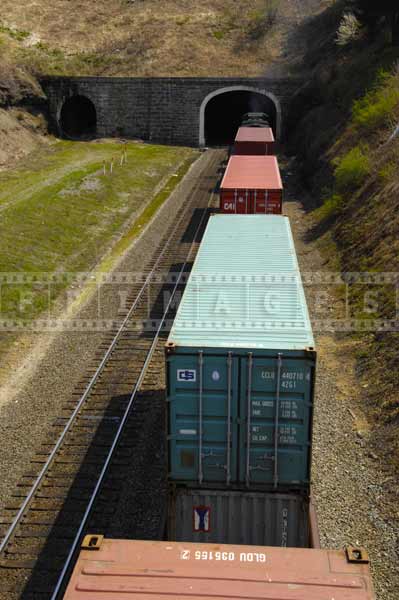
153	570
245	289
254	134
252	172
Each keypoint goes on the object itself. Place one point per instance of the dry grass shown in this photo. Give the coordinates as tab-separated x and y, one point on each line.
147	38
20	134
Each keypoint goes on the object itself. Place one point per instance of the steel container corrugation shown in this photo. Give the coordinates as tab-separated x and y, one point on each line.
245	288
148	570
241	361
230	517
251	185
254	141
252	172
254	134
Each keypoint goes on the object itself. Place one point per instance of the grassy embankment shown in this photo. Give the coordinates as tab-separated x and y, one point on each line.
59	213
351	165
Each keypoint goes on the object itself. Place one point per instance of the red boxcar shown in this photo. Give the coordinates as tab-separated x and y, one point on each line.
254	140
251	185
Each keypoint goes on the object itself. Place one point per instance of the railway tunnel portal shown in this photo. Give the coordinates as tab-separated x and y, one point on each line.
182	111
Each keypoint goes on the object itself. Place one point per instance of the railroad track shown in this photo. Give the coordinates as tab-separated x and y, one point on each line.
78	477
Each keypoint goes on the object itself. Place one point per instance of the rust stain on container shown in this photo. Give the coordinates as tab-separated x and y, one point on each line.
158	570
251	185
254	140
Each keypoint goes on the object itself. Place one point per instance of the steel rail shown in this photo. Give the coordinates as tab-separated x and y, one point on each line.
87	391
118	434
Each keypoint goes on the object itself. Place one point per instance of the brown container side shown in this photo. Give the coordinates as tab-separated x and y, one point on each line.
254	134
146	570
252	173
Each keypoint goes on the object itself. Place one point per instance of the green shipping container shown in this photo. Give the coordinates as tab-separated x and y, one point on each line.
240	362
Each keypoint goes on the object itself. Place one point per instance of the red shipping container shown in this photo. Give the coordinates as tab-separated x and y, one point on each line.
148	570
251	185
254	140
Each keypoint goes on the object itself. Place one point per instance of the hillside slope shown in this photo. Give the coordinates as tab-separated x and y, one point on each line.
147	38
352	102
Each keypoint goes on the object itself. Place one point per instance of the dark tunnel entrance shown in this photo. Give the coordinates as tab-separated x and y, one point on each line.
223	114
78	118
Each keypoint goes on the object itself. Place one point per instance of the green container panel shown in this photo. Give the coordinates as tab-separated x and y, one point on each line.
184	422
198	399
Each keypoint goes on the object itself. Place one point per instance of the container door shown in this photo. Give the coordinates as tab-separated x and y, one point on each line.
203	392
260	202
266	407
242	201
274	202
245	517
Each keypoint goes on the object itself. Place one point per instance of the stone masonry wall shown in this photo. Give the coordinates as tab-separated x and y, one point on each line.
164	110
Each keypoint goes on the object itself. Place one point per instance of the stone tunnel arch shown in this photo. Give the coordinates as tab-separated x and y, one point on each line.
78	118
221	112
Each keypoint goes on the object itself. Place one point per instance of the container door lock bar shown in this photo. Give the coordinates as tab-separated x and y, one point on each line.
276	420
200	364
249	391
228	466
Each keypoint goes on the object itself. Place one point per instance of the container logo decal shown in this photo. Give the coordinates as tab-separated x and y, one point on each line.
201	518
186	375
215	375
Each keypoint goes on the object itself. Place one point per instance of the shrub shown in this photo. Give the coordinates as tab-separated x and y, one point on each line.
349	30
388	172
376	108
263	19
352	169
330	208
219	35
17	34
271	12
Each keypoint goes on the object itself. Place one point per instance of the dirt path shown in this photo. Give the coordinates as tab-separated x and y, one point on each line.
53	175
355	500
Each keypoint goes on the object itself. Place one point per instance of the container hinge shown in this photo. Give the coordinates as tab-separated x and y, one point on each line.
259	468
210	454
92	542
217	466
357	555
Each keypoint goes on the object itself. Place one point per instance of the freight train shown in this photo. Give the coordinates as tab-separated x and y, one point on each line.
240	380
